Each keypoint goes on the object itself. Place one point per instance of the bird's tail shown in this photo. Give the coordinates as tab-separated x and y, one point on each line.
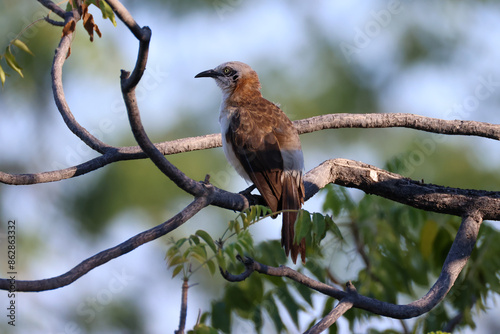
292	199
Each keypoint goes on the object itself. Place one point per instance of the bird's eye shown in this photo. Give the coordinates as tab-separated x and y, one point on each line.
226	70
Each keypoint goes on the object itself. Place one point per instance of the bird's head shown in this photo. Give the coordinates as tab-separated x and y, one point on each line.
233	76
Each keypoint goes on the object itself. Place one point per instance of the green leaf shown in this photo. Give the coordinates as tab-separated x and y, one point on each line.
199	258
200	251
176	260
180	242
236	226
333	227
2	75
11	61
305	292
107	12
203	329
246	241
221	317
428	235
211	267
302	225
20	44
208	239
274	313
194	239
319	225
221	260
246	221
290	303
239	249
177	270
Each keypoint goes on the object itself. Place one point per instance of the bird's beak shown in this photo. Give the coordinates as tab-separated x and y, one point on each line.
208	74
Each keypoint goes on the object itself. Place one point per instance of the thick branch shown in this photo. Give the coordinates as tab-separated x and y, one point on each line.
110	253
430	197
457	258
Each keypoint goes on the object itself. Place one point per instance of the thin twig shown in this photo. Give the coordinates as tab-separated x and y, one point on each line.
182	321
53	7
53	22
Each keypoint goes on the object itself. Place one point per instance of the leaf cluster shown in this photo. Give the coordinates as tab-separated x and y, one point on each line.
401	250
10	58
202	250
259	297
88	23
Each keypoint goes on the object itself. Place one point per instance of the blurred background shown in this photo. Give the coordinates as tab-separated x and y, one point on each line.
437	59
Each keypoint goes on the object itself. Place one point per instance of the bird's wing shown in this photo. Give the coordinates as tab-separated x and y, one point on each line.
257	148
268	147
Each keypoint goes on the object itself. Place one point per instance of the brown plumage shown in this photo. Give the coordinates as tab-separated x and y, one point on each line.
262	144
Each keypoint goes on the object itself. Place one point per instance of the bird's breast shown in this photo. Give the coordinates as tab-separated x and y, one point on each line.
225	120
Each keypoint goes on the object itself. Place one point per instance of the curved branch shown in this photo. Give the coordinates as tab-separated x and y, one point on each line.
58	91
110	253
457	258
125	16
128	84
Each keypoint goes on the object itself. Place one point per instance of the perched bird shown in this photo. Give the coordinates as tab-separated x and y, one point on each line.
262	144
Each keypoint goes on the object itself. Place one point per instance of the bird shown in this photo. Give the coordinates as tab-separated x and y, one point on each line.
262	144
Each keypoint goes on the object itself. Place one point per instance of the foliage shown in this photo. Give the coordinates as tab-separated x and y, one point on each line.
259	295
401	250
88	22
10	59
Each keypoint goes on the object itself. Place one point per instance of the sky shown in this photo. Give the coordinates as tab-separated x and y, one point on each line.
270	36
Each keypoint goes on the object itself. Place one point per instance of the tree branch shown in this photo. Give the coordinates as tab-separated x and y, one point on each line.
342	307
308	125
429	197
110	253
112	155
52	6
391	120
58	91
125	16
457	258
182	321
